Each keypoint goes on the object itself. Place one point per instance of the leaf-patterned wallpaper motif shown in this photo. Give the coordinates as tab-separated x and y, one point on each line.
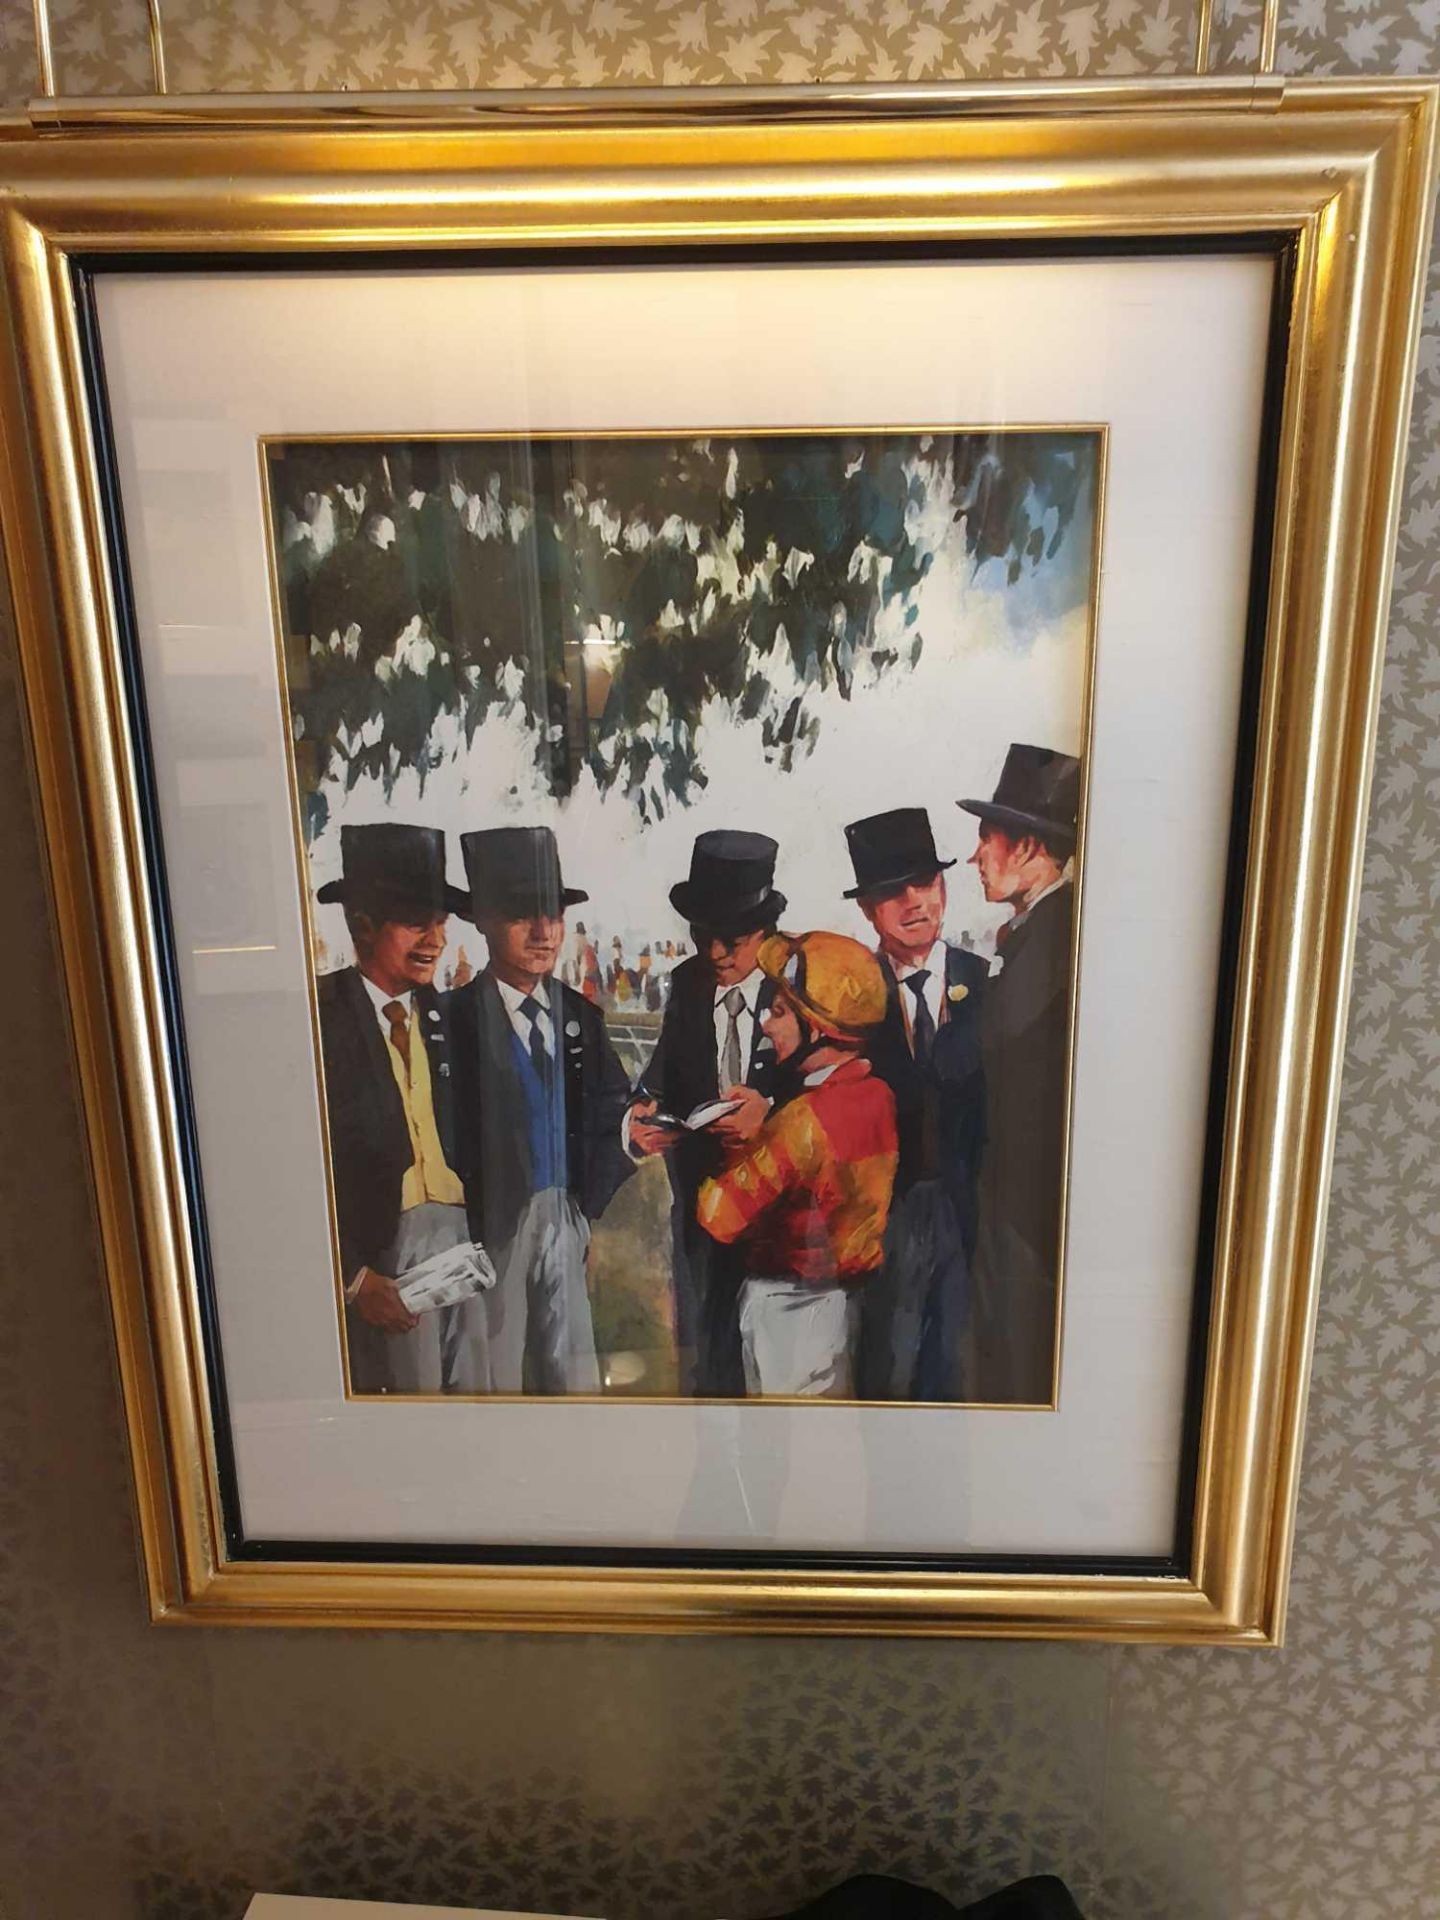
148	1775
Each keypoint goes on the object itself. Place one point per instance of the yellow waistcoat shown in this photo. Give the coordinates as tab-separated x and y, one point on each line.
429	1177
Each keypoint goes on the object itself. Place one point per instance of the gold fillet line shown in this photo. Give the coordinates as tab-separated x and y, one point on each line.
270	442
269	445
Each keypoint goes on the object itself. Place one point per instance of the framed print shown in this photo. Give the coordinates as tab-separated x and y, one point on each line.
704	774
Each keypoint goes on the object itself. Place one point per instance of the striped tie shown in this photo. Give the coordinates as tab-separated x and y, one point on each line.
539	1057
732	1068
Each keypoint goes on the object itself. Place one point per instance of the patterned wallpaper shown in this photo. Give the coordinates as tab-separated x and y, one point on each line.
161	1776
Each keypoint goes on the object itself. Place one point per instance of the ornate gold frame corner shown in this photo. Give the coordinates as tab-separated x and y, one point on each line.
1340	173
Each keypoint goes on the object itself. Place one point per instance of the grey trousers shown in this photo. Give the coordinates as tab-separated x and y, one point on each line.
429	1358
533	1331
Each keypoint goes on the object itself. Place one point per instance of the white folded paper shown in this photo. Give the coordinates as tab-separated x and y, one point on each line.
458	1273
705	1115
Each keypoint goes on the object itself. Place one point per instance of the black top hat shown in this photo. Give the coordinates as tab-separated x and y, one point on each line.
393	870
891	849
731	889
1038	792
515	871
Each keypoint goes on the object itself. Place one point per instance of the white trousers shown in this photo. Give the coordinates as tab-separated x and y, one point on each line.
797	1338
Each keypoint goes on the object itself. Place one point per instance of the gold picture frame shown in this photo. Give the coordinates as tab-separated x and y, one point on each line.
1335	177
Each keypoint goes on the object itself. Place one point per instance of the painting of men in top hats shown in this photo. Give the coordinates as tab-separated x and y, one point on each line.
927	1049
1024	860
385	1040
540	1094
700	691
713	1051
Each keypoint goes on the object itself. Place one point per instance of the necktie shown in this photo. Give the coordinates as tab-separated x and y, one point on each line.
922	1021
539	1058
398	1014
732	1071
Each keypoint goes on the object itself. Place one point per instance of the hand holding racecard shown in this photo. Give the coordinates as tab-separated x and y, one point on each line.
446	1278
699	1118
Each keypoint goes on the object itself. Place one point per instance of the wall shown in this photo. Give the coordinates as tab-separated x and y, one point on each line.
166	1774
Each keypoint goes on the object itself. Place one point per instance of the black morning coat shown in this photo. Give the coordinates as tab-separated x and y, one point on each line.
492	1139
370	1151
683	1071
1024	1042
939	1107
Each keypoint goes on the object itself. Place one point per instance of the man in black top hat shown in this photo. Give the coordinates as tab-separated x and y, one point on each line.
712	1045
384	1044
1027	843
928	1050
540	1094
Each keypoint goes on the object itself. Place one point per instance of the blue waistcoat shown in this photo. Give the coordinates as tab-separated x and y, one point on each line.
544	1118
